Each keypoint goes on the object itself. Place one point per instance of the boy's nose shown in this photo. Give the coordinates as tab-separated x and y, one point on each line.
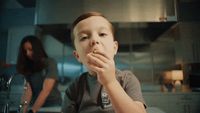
94	42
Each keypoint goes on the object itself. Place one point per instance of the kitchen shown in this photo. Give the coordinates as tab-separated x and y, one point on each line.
154	37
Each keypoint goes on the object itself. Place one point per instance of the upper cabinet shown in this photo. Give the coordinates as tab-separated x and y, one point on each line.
65	11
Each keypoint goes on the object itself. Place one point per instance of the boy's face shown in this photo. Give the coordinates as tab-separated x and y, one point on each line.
94	34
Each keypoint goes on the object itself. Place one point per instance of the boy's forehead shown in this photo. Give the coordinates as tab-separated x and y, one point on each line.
94	21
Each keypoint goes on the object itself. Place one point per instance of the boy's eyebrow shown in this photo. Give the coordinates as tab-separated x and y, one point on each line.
87	31
81	32
105	28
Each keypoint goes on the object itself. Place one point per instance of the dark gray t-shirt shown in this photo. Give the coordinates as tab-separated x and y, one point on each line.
86	94
36	81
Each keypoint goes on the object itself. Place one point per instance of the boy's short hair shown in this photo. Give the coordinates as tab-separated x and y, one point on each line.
87	15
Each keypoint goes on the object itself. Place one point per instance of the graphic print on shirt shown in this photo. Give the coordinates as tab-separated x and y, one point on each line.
106	103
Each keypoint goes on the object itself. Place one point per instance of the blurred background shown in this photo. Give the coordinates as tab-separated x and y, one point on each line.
156	38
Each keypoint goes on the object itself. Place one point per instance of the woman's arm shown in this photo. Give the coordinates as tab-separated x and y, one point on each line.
47	87
26	98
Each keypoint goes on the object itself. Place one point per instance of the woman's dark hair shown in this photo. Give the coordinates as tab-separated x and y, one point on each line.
87	15
24	64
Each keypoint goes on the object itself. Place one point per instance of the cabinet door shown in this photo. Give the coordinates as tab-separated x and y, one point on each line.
194	107
173	103
194	104
156	100
189	103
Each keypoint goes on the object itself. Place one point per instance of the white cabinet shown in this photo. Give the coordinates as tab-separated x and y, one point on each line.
174	102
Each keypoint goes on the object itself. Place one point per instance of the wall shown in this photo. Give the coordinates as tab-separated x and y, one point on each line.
12	19
15	35
189	41
16	17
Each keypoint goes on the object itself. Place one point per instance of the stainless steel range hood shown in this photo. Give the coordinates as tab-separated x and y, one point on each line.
137	22
65	11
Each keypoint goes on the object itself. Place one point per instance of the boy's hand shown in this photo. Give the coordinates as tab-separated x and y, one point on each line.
103	66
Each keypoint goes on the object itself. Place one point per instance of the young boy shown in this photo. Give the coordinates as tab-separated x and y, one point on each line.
103	89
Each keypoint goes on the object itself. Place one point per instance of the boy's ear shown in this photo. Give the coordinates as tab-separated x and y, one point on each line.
76	55
115	47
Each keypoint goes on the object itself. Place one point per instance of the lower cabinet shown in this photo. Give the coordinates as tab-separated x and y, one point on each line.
174	102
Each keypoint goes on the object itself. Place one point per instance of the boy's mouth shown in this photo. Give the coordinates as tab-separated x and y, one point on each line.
94	51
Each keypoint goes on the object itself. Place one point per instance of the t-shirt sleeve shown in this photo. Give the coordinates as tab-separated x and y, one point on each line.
132	87
52	71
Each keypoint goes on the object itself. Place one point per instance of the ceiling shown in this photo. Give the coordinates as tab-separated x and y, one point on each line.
27	3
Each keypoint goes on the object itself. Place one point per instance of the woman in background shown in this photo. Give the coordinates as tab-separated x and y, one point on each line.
41	76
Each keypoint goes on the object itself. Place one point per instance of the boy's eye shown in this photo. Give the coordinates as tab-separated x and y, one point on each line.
83	38
102	34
